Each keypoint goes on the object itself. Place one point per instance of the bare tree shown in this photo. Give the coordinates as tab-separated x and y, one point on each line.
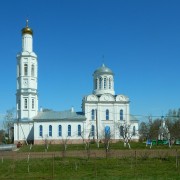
9	123
46	142
64	142
86	142
106	137
2	136
144	131
126	132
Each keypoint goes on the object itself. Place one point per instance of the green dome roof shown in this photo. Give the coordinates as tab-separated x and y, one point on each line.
103	70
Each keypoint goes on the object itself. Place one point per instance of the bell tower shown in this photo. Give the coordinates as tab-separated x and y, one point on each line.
27	73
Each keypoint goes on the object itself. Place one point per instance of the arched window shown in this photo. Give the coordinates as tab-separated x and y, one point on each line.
25	104
92	131
93	114
40	130
19	104
100	83
107	114
121	114
122	131
60	130
50	130
96	84
79	130
105	83
110	85
107	132
134	131
25	69
19	68
32	70
69	130
32	103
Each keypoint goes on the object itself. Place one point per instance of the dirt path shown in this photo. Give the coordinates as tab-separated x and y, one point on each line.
94	153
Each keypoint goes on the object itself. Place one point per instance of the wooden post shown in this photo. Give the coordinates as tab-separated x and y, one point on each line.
52	166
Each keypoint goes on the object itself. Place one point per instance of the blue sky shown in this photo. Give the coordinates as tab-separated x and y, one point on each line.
140	42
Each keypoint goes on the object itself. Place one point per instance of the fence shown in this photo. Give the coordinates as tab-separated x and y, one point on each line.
127	164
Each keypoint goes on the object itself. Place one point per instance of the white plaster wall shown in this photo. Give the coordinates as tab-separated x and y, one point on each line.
27	43
23	131
114	114
55	125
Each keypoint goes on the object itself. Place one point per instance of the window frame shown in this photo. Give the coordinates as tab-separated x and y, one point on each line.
107	114
32	70
92	114
121	115
25	103
40	130
121	131
100	82
107	132
25	69
50	131
110	83
134	131
92	130
60	130
33	104
69	130
79	130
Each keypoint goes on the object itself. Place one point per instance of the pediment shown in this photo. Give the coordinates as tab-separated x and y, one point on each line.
107	97
92	97
122	98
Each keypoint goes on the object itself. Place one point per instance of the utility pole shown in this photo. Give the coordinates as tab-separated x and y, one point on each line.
97	129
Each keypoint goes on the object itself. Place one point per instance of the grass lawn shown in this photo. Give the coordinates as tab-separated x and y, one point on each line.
93	168
70	147
49	166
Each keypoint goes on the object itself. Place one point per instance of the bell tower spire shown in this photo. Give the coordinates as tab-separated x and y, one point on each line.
27	39
26	94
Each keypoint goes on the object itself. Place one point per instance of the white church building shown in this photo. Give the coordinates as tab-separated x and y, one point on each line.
102	111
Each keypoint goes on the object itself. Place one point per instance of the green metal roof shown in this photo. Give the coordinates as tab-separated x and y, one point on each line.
59	115
103	70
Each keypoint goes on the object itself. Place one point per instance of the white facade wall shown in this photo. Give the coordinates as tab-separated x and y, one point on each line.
23	132
27	42
114	105
55	130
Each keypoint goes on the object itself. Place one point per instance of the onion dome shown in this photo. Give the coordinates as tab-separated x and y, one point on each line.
27	30
103	70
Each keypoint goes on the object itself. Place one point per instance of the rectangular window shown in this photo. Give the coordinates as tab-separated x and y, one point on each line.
25	69
50	130
79	130
32	70
93	114
107	114
104	83
25	104
19	104
32	103
40	130
69	130
19	67
92	131
121	114
60	130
